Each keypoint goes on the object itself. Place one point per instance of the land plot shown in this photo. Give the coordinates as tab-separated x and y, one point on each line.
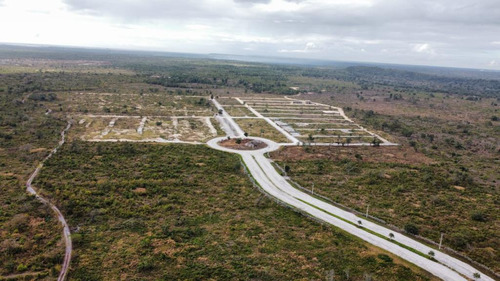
94	127
302	115
260	128
164	128
124	128
228	101
194	129
339	139
238	111
327	132
133	104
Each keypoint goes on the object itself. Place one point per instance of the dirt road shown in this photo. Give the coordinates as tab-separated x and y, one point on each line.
60	217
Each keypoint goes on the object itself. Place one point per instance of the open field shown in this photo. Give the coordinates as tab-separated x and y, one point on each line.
187	212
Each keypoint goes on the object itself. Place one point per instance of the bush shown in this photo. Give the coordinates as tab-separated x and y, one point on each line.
22	267
385	258
478	216
407	132
411	229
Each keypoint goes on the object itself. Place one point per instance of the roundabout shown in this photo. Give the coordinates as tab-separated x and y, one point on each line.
262	145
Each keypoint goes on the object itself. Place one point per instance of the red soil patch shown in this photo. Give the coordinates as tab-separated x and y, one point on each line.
244	144
399	154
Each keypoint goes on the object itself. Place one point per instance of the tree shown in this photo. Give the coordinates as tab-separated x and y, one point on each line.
391	235
476	275
246	134
431	253
311	138
287	169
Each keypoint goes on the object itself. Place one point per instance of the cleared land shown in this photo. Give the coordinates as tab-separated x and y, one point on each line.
311	122
147	128
260	128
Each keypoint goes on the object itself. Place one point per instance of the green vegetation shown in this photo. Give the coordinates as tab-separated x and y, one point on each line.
30	236
443	179
189	212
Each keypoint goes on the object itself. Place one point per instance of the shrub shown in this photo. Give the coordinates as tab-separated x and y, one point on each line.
411	229
478	216
22	267
385	258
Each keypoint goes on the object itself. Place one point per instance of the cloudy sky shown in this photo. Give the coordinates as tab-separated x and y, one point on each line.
462	33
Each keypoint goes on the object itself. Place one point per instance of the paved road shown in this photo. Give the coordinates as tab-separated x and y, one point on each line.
227	123
278	187
60	217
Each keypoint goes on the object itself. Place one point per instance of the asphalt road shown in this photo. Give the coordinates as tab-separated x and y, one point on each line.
447	267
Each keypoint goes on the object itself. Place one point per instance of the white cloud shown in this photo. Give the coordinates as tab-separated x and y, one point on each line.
424	48
437	32
309	47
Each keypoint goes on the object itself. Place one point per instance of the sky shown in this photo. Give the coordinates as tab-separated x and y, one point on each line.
456	33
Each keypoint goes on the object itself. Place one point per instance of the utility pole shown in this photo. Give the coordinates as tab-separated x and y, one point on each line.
441	240
367	207
312	190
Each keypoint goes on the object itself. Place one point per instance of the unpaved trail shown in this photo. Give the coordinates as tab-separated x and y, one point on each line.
60	217
141	125
210	126
109	127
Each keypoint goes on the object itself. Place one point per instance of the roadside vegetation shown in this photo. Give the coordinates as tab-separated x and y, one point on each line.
443	179
142	211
